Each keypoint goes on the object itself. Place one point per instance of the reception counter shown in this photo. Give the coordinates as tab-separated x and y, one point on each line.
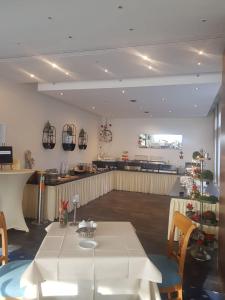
91	187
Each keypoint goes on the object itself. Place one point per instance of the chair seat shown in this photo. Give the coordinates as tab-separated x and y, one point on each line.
10	275
169	270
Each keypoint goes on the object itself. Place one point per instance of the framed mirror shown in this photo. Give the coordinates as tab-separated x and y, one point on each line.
160	141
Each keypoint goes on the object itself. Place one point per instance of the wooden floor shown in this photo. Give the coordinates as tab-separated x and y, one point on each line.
149	215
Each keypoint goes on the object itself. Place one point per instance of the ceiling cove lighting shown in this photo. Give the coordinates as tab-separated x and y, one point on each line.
55	66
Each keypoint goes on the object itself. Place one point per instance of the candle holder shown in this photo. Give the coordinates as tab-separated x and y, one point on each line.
76	204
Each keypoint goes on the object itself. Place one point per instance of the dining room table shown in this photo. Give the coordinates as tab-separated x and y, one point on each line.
116	267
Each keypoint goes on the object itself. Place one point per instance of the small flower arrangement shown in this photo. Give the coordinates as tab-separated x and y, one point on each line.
63	212
195	192
64	204
189	212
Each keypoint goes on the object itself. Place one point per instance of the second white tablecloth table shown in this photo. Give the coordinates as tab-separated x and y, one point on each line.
178	204
117	266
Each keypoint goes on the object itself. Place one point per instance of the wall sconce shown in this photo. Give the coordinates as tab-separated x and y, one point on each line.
69	137
49	136
82	140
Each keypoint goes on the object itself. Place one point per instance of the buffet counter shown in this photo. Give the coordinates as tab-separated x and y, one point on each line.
92	186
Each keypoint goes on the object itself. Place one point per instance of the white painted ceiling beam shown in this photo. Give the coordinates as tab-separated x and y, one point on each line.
134	82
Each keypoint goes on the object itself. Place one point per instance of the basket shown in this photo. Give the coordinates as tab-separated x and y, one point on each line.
86	232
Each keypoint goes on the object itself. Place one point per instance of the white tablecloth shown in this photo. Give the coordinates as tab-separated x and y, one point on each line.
12	183
180	205
117	266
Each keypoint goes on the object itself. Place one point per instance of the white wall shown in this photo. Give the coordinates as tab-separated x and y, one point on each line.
25	111
197	133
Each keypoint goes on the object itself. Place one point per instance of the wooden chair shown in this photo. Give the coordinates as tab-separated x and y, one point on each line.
172	265
3	232
10	273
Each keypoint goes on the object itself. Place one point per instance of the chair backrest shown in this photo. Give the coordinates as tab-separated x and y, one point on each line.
185	228
3	233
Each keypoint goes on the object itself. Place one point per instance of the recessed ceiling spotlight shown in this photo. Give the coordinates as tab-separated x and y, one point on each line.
203	20
50	18
70	37
18	43
93	107
150	116
196	88
199	63
150	67
61	94
163	99
133	100
200	52
146	112
106	70
120	7
123	91
170	111
131	29
32	75
67	73
197	75
196	105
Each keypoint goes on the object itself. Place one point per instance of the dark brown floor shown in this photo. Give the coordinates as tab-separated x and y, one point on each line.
149	215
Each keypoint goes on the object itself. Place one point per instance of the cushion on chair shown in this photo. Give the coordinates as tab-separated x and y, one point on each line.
10	275
169	270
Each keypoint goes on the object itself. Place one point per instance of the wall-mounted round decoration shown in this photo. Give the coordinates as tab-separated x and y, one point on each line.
82	139
69	137
105	134
49	136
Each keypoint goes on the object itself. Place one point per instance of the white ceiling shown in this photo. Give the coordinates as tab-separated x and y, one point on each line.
35	34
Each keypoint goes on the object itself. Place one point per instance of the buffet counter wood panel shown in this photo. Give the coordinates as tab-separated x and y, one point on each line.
93	187
153	183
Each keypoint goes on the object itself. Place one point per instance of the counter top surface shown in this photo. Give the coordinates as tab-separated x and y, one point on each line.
86	175
13	172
